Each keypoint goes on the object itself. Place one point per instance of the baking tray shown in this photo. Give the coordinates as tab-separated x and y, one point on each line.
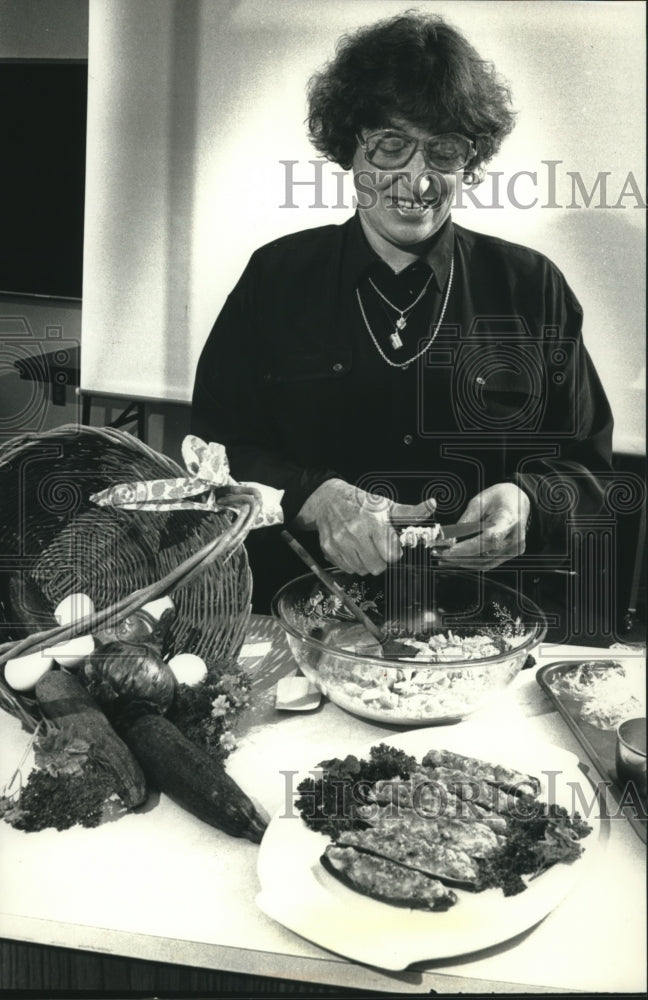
599	744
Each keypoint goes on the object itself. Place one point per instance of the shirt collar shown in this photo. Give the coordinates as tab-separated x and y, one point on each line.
360	256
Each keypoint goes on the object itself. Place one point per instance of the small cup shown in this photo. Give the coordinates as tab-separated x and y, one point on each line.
631	754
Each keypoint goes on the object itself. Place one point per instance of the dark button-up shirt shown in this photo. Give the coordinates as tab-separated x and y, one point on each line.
292	382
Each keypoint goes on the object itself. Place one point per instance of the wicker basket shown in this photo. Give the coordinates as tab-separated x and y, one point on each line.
54	541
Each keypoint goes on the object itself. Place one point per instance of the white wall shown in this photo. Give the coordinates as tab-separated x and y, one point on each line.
194	103
43	29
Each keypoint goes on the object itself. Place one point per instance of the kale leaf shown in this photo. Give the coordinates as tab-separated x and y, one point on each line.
330	804
62	800
533	844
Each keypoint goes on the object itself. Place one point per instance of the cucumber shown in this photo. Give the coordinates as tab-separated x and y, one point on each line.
63	699
187	774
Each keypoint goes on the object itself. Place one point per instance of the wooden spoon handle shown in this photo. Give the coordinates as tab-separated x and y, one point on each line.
333	586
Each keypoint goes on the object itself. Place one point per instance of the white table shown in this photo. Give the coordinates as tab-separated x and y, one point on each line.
163	886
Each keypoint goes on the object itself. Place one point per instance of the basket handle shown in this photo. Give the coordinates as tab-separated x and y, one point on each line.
247	505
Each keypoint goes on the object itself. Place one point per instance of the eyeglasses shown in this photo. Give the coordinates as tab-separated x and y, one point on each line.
390	149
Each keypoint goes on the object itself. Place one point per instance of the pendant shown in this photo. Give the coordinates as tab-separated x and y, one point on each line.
395	340
401	323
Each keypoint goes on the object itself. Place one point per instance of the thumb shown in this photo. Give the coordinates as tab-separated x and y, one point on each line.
403	513
476	509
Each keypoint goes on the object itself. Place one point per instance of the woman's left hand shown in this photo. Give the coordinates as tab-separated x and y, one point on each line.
504	511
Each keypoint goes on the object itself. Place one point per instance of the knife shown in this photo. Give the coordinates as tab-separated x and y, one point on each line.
451	532
461	530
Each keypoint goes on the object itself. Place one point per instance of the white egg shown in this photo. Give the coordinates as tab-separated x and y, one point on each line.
73	607
73	652
188	668
157	608
23	672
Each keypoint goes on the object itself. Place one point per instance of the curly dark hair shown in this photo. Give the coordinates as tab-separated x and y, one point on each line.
414	67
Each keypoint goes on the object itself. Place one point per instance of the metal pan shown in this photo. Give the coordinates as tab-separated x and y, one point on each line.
599	744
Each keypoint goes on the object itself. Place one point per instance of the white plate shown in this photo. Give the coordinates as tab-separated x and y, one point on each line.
299	893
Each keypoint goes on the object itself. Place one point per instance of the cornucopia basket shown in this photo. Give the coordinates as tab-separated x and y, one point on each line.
54	541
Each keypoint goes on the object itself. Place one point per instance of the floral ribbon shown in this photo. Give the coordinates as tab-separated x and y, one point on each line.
208	476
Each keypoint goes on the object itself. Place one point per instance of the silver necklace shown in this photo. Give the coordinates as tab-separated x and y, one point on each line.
429	342
401	322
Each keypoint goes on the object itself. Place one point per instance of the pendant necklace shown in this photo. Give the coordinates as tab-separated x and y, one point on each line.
401	322
429	341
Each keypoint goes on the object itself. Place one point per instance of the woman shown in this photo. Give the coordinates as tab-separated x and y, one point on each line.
373	368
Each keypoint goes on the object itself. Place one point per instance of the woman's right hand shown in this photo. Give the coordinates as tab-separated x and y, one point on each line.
355	528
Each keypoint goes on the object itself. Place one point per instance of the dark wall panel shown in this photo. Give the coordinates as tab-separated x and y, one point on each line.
42	177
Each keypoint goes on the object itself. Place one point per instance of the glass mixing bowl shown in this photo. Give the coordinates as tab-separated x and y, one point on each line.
472	636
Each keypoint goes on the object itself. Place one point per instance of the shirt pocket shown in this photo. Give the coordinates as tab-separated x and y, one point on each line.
306	398
511	401
307	368
492	394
